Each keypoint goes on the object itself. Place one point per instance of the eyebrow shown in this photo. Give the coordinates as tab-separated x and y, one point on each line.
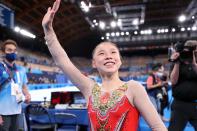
100	51
11	49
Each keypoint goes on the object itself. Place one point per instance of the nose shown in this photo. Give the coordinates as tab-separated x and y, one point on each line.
108	56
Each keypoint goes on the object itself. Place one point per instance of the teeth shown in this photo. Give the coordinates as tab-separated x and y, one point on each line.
109	63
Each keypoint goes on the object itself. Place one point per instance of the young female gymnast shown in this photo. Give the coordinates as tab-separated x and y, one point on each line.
115	105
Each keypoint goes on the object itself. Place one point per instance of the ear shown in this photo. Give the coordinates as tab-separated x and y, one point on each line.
93	63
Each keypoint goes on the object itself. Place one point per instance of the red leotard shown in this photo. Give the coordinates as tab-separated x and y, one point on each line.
112	112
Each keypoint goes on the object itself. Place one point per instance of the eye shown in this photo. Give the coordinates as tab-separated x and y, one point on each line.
113	52
101	53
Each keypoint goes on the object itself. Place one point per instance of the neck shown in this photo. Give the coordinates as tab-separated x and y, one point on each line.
9	63
109	82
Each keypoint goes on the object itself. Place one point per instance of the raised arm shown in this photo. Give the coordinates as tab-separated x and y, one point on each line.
59	55
194	61
174	75
146	108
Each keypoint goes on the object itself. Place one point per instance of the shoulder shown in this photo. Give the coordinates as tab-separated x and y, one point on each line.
134	90
135	87
2	65
134	84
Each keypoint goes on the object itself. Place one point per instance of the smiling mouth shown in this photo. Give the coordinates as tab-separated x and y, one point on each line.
109	63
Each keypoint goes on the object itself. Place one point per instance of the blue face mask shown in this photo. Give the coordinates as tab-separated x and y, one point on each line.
11	57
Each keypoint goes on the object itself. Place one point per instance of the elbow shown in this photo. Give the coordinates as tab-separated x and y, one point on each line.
173	81
149	87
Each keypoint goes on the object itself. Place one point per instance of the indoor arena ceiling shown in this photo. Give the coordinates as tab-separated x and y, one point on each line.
77	28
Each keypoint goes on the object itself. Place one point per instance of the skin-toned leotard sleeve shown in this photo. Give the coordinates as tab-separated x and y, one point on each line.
60	56
142	102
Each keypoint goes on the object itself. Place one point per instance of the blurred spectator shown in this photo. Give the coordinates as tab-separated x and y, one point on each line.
183	76
157	88
13	83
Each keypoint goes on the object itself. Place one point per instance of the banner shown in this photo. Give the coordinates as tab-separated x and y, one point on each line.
6	16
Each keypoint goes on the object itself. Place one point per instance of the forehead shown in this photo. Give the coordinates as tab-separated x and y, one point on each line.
12	46
106	46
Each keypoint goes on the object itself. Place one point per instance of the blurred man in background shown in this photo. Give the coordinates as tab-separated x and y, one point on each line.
13	82
183	77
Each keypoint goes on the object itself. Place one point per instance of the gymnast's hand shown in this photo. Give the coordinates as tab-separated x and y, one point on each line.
1	120
49	16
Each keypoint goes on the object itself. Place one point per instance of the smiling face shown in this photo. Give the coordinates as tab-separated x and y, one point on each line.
106	58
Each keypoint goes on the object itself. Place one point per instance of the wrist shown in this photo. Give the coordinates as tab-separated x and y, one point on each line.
176	62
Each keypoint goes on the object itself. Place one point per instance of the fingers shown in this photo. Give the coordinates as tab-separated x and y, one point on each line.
56	5
49	9
194	57
1	120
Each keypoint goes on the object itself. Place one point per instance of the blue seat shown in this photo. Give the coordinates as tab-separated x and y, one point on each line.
37	118
66	122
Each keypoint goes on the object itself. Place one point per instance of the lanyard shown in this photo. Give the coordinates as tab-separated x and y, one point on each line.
11	73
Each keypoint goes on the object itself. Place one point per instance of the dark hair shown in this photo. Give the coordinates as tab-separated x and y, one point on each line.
156	66
6	42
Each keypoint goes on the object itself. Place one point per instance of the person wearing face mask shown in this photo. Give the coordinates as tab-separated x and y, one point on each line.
183	76
157	88
13	85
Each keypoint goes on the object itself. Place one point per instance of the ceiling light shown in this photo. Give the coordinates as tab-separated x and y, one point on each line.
112	34
17	29
194	28
84	6
182	29
96	24
113	24
89	5
127	33
150	31
27	33
119	23
122	33
94	21
135	32
24	32
162	30
102	25
166	30
107	34
142	32
193	17
135	22
173	29
182	18
117	34
102	38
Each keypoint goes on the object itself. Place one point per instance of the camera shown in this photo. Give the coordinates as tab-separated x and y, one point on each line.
185	50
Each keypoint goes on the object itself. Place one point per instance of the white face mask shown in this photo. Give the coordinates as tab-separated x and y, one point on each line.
159	74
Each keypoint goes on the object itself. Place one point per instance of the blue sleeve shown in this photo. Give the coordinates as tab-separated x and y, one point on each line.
24	75
3	74
25	78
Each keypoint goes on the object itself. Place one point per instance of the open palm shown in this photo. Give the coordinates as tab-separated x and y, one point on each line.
49	16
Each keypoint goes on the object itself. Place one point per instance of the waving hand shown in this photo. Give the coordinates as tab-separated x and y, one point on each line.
49	16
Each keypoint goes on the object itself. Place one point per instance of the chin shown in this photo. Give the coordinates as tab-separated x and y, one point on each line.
111	71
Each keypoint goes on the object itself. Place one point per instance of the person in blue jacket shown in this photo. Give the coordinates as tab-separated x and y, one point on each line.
13	85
